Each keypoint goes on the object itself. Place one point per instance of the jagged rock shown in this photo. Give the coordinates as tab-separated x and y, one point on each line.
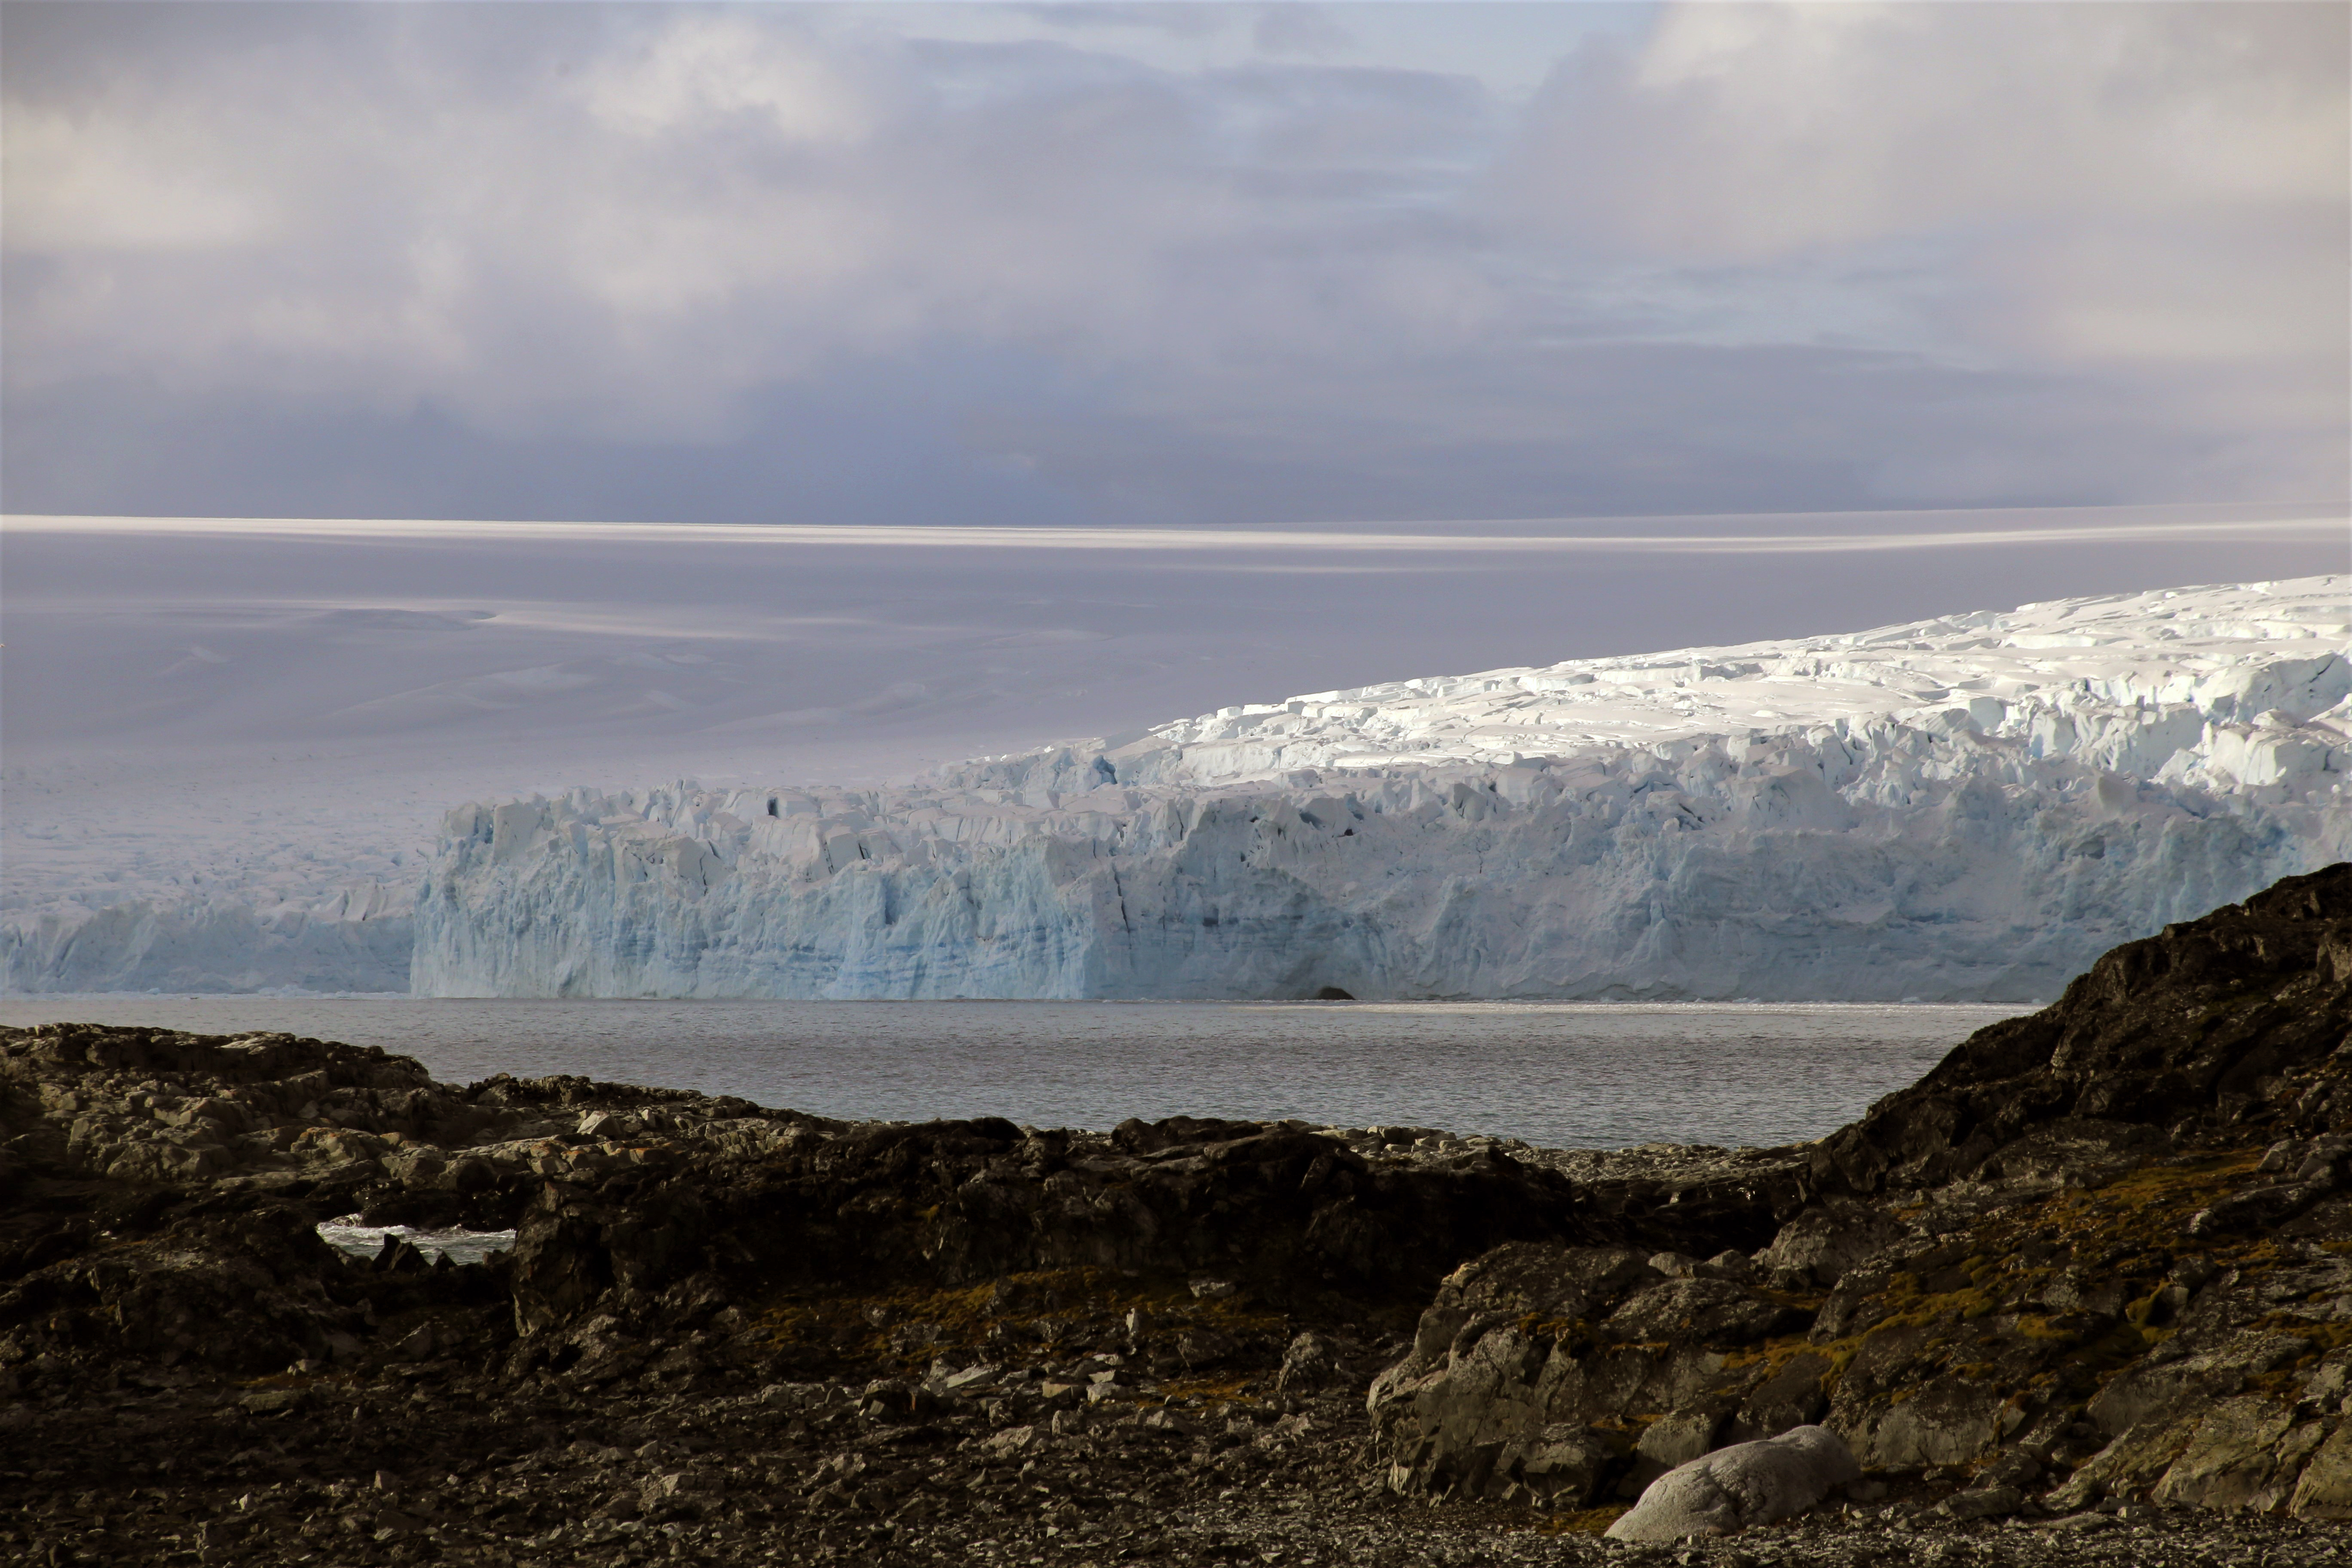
2128	1466
2003	1282
1532	1343
2325	1490
2153	1389
1737	1488
1795	1395
2246	1452
2082	1244
1678	1438
1951	1421
2198	1022
1821	1244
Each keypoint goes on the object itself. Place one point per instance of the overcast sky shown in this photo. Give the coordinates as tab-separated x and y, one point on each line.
1171	265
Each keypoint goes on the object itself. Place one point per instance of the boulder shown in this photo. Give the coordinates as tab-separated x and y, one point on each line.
1827	1239
2247	1453
2325	1490
1740	1487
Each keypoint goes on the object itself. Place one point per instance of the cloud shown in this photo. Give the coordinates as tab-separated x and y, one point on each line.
1739	132
1182	20
694	262
1299	28
2156	191
706	73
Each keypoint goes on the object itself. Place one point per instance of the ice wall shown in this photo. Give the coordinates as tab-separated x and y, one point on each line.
358	939
1969	809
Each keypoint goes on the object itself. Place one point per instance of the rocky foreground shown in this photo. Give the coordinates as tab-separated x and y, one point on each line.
2082	1295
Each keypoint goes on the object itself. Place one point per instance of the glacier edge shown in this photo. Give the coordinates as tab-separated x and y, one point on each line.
1965	809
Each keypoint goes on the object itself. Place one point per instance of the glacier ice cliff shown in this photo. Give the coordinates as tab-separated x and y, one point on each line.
355	939
1967	808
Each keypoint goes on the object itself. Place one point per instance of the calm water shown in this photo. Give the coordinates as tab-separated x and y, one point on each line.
1562	1075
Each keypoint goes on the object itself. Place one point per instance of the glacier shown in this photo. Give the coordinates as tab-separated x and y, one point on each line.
1969	809
353	939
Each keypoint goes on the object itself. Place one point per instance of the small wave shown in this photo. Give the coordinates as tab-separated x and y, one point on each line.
458	1245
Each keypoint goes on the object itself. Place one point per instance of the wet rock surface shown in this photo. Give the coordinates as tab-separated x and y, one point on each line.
2082	1295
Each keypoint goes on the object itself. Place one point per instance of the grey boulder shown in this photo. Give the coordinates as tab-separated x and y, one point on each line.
1746	1484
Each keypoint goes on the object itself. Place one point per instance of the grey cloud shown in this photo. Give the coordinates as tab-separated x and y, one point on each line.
1183	20
2152	190
733	264
1300	28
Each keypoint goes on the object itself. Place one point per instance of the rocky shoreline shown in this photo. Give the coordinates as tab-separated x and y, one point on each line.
2082	1295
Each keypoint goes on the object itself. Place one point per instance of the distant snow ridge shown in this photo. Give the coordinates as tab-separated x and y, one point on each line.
1971	808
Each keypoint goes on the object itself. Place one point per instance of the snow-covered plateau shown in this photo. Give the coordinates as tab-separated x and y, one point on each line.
1967	808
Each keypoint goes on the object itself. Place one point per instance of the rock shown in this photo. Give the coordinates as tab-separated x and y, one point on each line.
2015	1297
2157	1030
2325	1490
1740	1487
1310	1362
1792	1396
2141	1393
2246	1453
1951	1421
1982	1502
270	1401
1532	1340
1012	1440
1567	1462
1676	1440
2130	1464
415	1345
1471	1403
1715	1311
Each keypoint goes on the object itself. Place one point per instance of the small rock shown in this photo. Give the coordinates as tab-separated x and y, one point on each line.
1310	1362
1982	1502
1012	1440
2081	1523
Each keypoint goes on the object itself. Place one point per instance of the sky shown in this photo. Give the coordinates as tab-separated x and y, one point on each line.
1081	367
1171	265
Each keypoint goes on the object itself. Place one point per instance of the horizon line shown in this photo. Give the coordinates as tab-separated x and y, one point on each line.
2009	526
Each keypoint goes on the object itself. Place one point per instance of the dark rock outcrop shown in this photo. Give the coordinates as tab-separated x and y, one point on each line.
2103	1252
2101	1257
2223	1021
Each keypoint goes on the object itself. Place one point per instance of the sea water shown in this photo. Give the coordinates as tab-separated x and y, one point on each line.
1558	1075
